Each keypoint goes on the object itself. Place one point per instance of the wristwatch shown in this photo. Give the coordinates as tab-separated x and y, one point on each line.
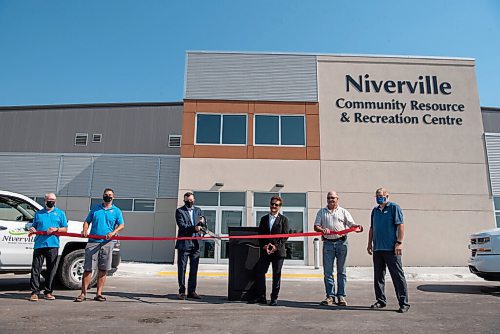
399	242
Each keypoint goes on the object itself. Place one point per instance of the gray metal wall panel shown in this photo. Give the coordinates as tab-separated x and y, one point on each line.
76	173
254	77
491	120
124	129
32	175
129	176
493	152
169	177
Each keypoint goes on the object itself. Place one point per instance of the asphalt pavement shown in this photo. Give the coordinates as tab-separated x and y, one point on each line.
147	303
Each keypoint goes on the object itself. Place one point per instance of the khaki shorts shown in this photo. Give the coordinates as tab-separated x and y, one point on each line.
98	254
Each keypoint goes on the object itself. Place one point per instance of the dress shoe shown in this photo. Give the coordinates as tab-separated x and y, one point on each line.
193	295
260	300
403	309
182	296
273	302
377	305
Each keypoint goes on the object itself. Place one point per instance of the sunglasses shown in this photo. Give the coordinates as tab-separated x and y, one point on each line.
330	197
275	204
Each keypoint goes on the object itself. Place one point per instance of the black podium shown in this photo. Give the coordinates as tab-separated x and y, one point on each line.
243	256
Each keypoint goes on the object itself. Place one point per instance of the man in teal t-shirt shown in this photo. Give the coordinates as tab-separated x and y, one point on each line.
50	219
385	244
104	220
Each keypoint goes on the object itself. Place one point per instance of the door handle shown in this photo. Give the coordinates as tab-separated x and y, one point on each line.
3	228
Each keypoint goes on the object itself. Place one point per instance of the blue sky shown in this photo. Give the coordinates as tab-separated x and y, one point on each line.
93	51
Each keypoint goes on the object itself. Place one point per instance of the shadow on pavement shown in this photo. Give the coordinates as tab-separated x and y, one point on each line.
461	289
316	306
14	283
26	295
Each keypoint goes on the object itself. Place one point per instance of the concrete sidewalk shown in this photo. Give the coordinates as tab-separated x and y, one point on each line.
137	269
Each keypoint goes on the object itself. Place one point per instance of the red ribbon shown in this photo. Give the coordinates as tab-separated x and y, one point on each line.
252	236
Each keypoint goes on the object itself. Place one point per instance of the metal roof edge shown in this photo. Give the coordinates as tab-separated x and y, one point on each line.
329	54
493	109
94	105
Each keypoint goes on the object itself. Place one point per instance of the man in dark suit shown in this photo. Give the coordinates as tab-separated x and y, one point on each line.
188	217
272	251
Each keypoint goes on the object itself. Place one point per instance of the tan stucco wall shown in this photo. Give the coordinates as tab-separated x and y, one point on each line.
437	173
254	175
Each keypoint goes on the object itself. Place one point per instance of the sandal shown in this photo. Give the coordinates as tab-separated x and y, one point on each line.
100	298
80	298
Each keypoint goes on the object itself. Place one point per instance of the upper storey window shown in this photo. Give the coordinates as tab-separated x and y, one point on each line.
221	129
280	130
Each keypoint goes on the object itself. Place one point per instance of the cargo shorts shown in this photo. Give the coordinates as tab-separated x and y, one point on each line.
98	254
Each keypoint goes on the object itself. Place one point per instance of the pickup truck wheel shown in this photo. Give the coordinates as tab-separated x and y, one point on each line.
71	271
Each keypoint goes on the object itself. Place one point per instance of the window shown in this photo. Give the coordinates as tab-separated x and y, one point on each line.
174	140
289	199
496	201
128	204
39	200
280	130
96	137
14	209
147	205
208	198
221	129
81	139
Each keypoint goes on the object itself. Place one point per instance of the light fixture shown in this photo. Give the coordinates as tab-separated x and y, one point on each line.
219	184
279	185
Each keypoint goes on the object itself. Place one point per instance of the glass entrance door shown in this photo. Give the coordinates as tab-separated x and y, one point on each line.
208	249
295	246
219	220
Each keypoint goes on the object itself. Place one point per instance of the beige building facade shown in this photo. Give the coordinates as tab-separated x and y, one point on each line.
255	125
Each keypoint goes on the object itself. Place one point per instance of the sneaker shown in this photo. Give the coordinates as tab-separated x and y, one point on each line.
182	296
342	301
273	302
327	302
403	309
49	296
34	298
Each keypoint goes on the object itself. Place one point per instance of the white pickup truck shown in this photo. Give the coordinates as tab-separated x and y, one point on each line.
485	254
16	247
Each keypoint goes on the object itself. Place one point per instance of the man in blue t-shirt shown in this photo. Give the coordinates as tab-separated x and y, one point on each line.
385	243
46	248
105	220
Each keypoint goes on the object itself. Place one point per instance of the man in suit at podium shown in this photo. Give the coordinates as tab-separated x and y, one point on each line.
272	251
187	217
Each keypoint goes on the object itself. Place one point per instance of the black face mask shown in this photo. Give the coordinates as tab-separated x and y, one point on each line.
188	204
107	199
50	204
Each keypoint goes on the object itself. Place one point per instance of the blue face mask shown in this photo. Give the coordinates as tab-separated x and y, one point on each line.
381	200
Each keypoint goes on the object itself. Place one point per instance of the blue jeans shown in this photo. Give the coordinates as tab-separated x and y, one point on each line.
331	251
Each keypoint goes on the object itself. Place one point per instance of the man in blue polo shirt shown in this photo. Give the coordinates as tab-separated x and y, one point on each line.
385	243
46	248
106	220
